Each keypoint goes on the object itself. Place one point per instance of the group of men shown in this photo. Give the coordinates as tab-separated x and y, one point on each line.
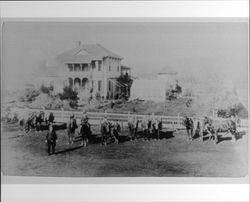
150	126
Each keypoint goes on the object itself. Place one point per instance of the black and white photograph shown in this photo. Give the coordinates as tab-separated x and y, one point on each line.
124	99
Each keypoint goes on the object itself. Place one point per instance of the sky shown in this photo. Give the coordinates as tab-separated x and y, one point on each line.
196	49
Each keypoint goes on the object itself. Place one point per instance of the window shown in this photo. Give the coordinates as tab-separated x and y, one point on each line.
77	67
118	69
70	66
109	68
93	64
110	86
99	85
85	67
99	66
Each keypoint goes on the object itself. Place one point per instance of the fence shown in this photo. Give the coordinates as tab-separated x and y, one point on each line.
169	122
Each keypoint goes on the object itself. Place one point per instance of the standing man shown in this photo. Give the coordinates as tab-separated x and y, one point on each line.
51	118
233	127
149	126
85	130
189	127
72	126
131	126
144	127
51	139
104	130
156	123
116	131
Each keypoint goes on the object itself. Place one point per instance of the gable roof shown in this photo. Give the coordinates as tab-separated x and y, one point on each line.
86	53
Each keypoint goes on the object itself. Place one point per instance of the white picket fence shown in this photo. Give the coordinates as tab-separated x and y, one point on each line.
170	122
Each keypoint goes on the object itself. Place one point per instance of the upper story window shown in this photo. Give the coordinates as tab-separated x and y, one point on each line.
109	68
93	65
70	66
77	67
85	67
99	66
118	68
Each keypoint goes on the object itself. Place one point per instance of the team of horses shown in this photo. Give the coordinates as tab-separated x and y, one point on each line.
212	129
149	126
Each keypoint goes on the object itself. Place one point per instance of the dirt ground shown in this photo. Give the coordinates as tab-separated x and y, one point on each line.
173	155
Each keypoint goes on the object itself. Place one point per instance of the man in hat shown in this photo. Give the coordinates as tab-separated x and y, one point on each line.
72	126
104	130
51	139
116	131
85	130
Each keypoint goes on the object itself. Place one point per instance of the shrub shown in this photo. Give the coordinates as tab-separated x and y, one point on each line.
70	95
97	96
46	90
236	110
29	95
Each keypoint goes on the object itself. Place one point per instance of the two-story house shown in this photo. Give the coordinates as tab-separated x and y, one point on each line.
91	70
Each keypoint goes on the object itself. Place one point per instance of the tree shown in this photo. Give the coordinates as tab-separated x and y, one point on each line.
29	95
70	95
126	83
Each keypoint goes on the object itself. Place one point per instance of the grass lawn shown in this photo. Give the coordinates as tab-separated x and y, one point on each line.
25	155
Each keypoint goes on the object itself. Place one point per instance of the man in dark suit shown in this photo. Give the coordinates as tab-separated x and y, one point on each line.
51	139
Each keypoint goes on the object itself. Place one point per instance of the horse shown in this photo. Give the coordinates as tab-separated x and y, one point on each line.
214	127
39	119
28	123
228	126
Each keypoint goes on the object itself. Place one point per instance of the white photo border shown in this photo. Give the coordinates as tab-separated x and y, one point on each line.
112	189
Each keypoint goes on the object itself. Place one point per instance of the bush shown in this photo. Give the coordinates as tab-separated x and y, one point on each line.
46	90
70	95
236	110
29	95
97	96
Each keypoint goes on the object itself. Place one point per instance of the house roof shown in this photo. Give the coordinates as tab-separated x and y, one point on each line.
167	70
86	53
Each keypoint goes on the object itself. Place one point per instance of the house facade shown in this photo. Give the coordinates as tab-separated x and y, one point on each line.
91	70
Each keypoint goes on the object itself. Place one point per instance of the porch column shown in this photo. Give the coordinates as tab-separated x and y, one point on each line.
104	69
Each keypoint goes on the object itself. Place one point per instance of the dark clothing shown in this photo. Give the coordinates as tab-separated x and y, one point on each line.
105	132
51	118
72	126
51	138
189	123
85	131
189	127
